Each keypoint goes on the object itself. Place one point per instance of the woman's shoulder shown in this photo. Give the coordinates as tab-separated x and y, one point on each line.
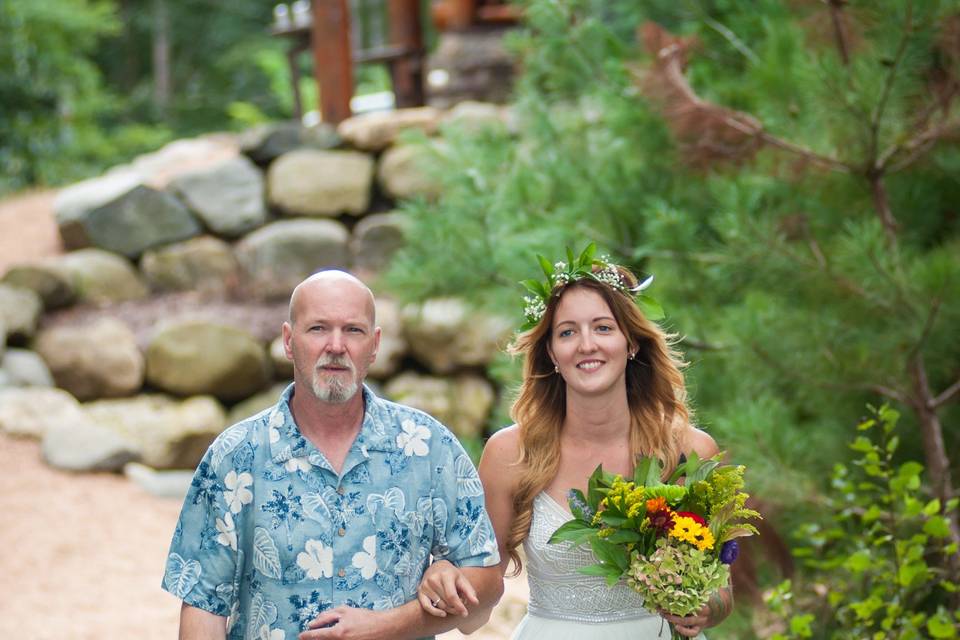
502	452
701	442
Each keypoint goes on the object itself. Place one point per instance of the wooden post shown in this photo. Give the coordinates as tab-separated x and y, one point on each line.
332	58
406	32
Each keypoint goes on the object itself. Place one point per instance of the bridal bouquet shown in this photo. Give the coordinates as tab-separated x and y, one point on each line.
673	543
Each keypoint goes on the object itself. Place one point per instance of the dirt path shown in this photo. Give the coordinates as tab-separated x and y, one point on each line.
27	228
82	555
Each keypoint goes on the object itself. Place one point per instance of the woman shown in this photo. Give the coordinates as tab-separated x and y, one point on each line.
601	385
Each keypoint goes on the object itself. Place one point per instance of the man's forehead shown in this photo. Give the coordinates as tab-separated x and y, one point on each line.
333	292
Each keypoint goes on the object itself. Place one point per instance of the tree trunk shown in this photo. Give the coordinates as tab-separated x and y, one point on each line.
938	464
161	57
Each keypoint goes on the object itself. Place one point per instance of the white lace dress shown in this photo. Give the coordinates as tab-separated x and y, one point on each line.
567	605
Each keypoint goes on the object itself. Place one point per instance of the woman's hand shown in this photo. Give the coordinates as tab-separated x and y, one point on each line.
689	626
713	613
443	590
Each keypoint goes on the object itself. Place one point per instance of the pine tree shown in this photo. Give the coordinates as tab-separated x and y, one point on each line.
789	173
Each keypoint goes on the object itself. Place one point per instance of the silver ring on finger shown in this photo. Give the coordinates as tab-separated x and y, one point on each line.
436	603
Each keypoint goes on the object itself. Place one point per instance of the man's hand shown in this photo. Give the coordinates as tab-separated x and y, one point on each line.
443	590
346	622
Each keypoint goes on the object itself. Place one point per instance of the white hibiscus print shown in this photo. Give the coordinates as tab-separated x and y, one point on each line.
366	560
227	535
266	633
316	560
237	493
413	439
297	464
274	435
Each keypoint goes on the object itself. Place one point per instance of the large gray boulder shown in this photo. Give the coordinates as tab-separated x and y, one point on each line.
321	183
101	277
32	411
86	446
203	264
393	346
277	257
118	213
256	403
20	310
228	197
165	432
375	239
24	368
266	142
404	172
199	357
52	284
378	130
446	334
96	360
461	403
282	366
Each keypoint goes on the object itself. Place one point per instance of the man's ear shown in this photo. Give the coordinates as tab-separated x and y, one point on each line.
286	331
376	346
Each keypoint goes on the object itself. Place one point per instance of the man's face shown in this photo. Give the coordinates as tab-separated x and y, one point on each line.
331	339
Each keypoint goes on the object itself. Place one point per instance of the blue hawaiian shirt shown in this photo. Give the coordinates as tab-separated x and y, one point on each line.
270	535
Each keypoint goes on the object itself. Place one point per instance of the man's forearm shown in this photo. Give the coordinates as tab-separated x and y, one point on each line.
197	624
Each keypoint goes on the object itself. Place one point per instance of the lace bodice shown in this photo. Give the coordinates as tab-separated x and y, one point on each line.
557	590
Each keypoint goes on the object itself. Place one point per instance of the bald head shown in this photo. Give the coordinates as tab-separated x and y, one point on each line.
331	283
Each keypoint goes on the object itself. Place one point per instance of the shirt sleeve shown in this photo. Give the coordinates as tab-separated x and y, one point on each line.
202	565
465	535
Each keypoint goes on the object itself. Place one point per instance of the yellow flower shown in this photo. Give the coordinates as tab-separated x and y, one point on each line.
606	532
689	530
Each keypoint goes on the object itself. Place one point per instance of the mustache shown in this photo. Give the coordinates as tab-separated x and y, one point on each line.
335	361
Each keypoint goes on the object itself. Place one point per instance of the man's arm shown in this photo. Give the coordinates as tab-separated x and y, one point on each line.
197	624
408	620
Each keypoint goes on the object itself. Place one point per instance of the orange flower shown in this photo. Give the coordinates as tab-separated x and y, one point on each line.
656	504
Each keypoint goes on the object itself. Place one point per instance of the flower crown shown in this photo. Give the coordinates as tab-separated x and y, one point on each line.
578	268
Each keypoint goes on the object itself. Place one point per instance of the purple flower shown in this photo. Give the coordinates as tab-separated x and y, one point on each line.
729	551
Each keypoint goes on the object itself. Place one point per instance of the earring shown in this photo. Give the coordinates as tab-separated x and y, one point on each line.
556	369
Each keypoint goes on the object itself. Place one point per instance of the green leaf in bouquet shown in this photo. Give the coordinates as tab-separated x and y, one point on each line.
575	530
612	519
593	483
611	574
623	536
647	471
610	554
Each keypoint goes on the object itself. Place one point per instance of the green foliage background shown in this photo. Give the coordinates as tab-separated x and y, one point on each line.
792	301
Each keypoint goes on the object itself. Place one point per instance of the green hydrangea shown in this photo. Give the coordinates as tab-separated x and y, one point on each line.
678	579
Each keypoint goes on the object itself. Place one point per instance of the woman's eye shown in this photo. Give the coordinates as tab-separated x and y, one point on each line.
566	332
604	328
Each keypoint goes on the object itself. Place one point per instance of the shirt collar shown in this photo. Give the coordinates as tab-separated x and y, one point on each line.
377	432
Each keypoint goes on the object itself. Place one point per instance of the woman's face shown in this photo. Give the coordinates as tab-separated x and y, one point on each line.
587	345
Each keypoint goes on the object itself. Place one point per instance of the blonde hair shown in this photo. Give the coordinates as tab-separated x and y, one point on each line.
656	397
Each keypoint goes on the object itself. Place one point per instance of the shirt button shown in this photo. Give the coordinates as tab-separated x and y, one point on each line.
340	490
342	572
342	532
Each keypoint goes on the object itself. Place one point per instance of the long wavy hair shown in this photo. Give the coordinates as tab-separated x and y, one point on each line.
656	398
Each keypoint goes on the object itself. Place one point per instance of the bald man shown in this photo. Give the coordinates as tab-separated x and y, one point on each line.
317	517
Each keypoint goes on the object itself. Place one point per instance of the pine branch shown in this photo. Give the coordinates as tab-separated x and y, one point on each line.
839	33
889	82
916	146
947	395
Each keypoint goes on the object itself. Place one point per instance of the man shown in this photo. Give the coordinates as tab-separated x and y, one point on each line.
316	518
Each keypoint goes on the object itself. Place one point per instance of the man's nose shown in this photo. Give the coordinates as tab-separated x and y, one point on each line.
335	343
